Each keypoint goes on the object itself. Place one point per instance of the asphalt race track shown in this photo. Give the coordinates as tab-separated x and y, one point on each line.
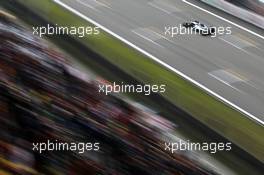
230	65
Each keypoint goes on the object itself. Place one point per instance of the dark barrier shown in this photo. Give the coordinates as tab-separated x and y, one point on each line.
249	11
256	6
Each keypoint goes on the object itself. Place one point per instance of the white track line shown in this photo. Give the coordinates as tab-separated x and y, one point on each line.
146	38
224	82
102	4
234	45
251	116
159	8
224	19
86	5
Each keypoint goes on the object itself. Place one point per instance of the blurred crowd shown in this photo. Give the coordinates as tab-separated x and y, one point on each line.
42	97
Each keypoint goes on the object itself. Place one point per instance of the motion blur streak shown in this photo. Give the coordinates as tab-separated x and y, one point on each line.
43	98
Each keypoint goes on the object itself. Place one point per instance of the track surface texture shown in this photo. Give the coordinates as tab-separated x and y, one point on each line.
230	65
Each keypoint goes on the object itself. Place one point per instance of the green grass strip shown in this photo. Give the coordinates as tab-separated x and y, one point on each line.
218	116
